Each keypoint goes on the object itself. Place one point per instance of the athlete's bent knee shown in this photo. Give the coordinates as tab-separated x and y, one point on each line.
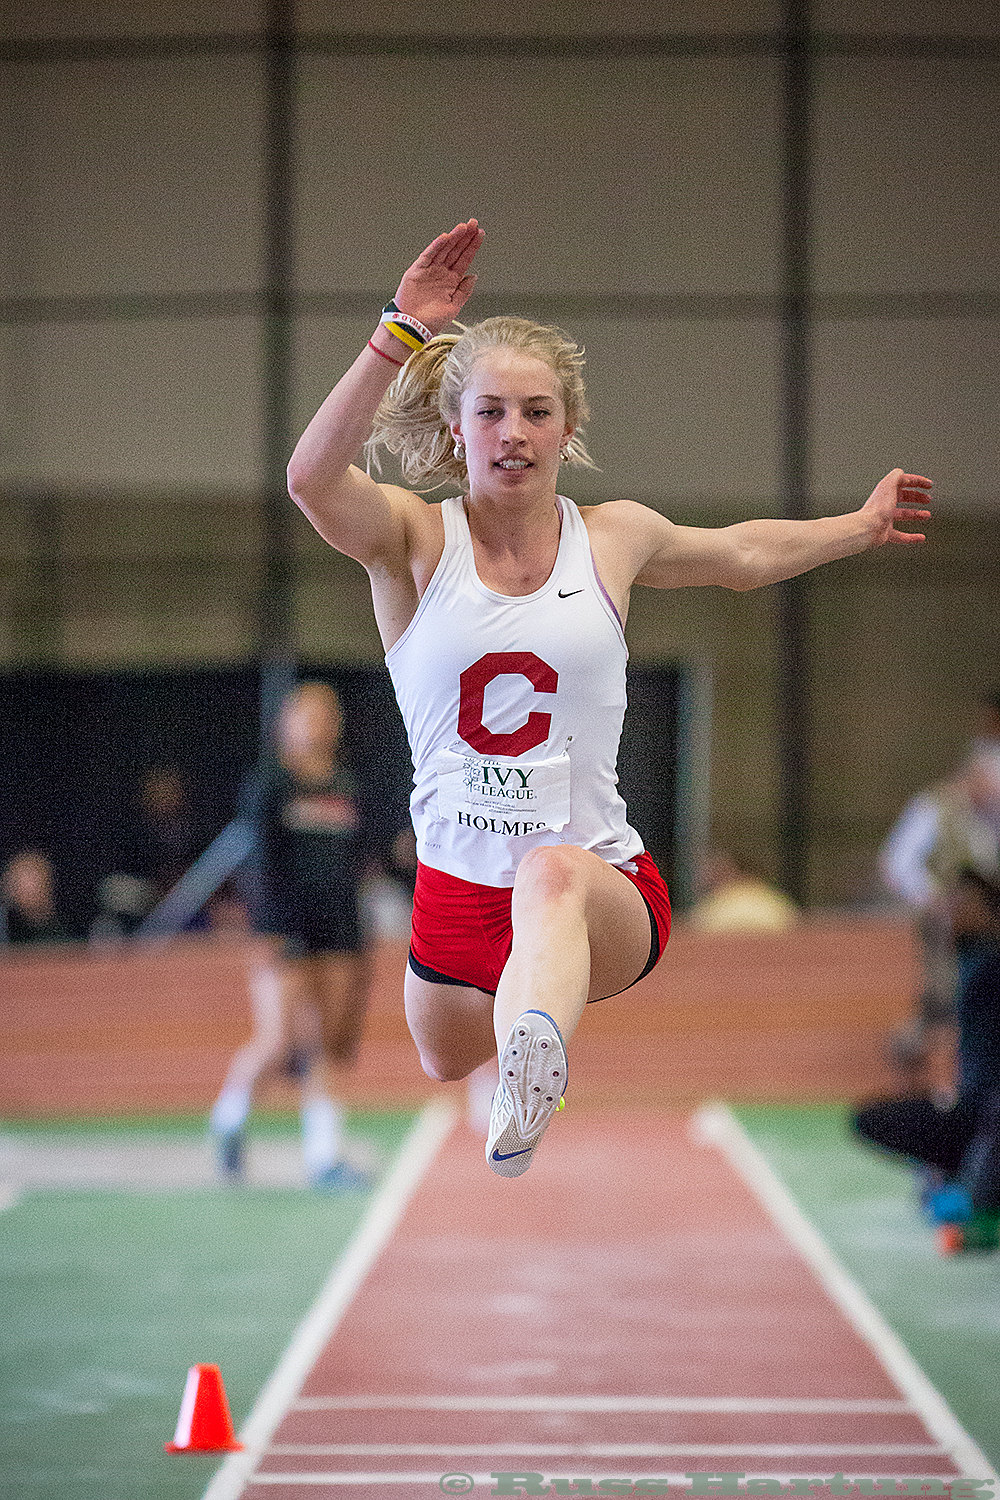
551	870
443	1067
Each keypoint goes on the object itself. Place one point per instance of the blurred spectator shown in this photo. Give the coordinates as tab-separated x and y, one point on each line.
944	858
161	844
951	828
309	988
167	836
27	890
730	899
123	901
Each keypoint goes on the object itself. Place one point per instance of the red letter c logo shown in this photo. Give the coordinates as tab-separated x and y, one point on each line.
474	680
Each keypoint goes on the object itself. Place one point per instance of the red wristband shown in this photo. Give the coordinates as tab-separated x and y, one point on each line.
397	362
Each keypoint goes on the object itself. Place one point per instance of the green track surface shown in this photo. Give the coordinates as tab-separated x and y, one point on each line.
946	1310
106	1297
109	1296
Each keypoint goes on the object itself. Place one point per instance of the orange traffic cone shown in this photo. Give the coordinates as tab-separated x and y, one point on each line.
204	1424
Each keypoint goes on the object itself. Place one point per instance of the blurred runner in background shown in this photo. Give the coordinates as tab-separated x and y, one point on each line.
309	984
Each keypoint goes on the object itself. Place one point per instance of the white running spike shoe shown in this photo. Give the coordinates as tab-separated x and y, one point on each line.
533	1076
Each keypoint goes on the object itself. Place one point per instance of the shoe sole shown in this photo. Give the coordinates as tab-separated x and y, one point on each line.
533	1068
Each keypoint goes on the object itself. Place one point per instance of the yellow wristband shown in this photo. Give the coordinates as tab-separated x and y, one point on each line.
400	332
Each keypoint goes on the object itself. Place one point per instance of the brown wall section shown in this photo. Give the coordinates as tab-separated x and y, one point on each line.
800	1015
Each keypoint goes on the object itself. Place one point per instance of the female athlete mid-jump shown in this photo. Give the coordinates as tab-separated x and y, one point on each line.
502	613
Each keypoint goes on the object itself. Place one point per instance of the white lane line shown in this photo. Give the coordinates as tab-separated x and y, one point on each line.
609	1450
362	1480
757	1405
384	1212
716	1125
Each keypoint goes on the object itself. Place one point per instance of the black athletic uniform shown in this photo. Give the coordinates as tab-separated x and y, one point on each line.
301	880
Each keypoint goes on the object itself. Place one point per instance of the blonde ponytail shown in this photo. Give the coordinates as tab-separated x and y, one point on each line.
414	419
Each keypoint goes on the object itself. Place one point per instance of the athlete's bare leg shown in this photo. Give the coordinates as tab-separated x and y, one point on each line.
452	1025
581	931
276	986
335	994
338	991
315	1003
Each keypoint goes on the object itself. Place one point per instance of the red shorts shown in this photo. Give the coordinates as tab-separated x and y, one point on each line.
462	932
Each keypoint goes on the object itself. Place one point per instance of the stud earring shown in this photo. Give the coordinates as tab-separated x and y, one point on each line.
564	453
460	450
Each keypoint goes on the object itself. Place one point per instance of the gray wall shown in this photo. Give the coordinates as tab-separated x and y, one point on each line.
632	192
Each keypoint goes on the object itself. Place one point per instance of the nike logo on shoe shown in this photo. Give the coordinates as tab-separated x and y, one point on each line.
570	594
533	1077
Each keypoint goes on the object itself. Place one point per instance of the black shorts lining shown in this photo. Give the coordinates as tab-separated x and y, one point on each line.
651	961
424	971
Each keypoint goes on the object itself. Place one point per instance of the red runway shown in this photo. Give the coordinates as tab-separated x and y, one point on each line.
628	1309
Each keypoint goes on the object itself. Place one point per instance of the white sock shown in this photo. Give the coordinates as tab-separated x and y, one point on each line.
322	1126
266	988
230	1110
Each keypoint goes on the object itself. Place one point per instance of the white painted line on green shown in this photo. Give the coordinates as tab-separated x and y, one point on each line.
375	1230
714	1124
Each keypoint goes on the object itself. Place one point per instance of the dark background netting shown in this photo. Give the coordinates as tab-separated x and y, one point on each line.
77	747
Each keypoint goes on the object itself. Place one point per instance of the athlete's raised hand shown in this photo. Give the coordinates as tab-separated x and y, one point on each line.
437	285
898	497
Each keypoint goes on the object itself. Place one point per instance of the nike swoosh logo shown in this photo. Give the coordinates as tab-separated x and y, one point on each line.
570	594
506	1155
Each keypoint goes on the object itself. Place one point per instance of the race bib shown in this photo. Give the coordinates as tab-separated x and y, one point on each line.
505	796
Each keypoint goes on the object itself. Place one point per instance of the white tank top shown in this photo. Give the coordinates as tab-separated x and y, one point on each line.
513	707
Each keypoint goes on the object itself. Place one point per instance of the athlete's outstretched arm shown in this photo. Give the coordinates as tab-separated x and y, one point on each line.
353	513
752	553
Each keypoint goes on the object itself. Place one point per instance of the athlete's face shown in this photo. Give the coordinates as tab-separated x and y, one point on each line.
512	422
